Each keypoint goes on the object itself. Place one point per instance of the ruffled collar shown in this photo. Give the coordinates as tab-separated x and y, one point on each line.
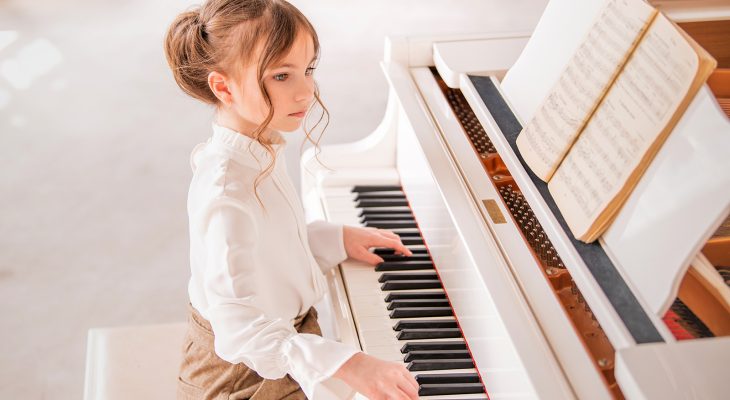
245	144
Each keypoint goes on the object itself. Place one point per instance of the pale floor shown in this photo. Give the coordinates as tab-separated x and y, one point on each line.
94	145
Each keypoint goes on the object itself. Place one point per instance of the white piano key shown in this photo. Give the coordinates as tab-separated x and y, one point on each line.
457	396
345	217
512	396
377	338
391	349
376	308
336	191
370	338
376	322
366	311
445	371
390	341
357	288
387	356
393	353
388	353
345	202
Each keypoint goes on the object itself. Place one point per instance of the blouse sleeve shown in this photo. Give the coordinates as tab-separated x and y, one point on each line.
243	332
327	244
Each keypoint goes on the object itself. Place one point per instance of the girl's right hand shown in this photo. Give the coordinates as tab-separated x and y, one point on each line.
378	379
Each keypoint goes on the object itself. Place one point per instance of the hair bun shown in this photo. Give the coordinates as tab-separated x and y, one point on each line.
187	52
201	27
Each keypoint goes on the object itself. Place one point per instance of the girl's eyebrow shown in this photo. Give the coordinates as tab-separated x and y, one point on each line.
292	65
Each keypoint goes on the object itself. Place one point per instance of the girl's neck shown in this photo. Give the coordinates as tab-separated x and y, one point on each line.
244	127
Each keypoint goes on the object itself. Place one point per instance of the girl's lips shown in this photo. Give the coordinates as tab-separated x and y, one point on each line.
298	115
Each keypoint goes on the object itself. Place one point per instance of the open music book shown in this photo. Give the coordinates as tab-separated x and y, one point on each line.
615	103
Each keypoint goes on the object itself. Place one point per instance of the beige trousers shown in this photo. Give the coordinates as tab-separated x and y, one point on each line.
205	376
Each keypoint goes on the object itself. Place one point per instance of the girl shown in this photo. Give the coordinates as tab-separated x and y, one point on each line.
257	268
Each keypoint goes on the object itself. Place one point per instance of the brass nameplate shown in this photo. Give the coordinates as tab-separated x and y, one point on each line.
494	212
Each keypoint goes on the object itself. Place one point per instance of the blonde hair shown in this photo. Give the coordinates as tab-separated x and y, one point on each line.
222	35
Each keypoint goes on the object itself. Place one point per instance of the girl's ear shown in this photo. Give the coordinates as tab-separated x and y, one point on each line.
219	85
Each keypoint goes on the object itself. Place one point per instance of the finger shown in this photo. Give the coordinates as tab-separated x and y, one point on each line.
400	394
388	234
370	258
399	247
394	244
411	380
406	391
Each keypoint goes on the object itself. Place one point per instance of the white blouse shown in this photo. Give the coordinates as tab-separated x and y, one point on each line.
255	270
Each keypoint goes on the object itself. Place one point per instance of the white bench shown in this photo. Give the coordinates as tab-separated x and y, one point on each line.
135	362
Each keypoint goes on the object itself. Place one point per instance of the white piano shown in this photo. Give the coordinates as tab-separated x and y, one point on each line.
498	300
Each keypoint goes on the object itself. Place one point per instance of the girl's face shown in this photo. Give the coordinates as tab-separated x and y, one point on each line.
290	85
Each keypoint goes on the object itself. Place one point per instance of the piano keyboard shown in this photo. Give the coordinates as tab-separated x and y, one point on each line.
400	308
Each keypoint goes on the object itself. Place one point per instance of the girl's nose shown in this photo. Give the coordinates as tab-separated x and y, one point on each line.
305	91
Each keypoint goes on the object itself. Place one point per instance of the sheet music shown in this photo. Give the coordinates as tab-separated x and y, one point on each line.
548	136
653	239
633	114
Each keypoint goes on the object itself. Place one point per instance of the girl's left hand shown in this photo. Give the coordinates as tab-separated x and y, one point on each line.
358	241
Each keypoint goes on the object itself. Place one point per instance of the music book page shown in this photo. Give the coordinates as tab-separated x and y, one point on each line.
548	136
627	129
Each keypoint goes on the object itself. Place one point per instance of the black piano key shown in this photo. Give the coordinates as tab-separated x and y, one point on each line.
425	324
376	188
375	203
421	312
457	377
444	345
387	217
419	295
430	365
430	389
402	258
411	241
380	211
403	265
404	233
450	398
410	276
412	284
386	251
380	195
418	303
391	224
439	333
437	355
403	216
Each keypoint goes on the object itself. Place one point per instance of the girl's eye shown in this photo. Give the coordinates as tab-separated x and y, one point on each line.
282	77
